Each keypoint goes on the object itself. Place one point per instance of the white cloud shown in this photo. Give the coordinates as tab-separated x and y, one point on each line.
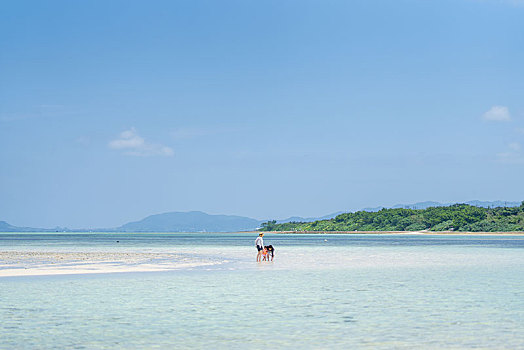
128	139
133	145
513	156
497	114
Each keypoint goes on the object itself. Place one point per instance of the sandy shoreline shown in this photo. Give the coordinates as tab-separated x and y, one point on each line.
455	233
24	263
45	261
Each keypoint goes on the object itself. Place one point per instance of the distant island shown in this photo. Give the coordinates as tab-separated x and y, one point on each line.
192	221
456	217
475	216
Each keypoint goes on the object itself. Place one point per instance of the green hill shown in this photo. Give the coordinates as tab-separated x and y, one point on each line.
457	217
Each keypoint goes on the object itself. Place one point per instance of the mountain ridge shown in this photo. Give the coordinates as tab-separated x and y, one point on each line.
193	221
198	221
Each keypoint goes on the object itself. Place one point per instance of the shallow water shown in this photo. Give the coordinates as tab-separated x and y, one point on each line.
351	291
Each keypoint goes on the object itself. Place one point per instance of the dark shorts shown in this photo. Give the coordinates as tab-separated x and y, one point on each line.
260	248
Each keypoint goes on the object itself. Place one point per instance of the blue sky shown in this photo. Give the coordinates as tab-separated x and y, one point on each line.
114	110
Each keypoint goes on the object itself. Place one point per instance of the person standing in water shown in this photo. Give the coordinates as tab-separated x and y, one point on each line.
259	242
270	252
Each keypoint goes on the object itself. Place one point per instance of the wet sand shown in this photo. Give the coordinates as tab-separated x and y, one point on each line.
45	261
24	263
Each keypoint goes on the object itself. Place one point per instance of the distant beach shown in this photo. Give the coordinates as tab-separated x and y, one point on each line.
458	233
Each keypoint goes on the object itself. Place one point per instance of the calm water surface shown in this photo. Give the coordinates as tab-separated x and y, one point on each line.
322	291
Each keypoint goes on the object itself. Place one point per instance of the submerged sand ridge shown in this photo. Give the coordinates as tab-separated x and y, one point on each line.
288	258
26	263
169	252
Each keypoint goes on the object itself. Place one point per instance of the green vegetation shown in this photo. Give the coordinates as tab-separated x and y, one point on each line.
457	217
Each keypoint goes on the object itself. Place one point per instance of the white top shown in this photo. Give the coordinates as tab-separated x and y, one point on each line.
259	242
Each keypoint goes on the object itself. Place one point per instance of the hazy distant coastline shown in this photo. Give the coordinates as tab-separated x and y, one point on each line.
457	233
196	221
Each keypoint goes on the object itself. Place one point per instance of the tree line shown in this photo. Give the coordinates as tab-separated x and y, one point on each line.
457	217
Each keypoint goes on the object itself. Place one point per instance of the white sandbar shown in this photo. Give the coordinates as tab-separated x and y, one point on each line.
27	263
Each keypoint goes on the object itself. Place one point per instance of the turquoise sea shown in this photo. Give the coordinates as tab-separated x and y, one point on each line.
320	292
